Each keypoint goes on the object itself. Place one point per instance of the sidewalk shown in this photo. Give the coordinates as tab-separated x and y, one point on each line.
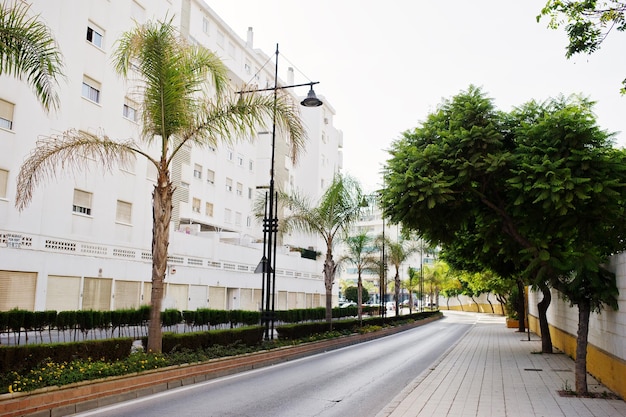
493	372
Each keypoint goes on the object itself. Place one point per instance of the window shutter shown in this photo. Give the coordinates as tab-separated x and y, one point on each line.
6	110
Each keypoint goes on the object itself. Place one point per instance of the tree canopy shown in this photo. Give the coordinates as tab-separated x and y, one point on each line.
587	23
542	181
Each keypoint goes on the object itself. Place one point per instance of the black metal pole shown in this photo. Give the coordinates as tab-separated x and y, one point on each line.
271	240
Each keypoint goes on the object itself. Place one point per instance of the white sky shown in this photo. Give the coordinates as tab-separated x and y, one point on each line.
384	66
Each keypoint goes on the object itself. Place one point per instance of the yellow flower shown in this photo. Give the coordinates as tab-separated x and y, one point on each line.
11	389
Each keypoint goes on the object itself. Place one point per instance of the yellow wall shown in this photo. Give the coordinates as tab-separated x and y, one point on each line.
606	368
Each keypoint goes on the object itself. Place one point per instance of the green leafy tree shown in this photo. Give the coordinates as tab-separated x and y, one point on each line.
331	218
359	252
178	109
28	50
587	23
543	177
353	294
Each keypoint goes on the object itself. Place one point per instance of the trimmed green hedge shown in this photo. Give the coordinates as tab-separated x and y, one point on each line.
250	336
16	358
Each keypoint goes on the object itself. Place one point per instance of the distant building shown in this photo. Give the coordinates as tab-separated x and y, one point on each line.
84	242
371	222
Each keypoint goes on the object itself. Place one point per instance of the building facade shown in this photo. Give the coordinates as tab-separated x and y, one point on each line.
84	242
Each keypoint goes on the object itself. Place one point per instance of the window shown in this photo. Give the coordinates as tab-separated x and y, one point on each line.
82	202
197	171
91	89
239	189
230	155
251	165
130	110
210	176
228	214
123	212
6	114
4	179
205	25
220	39
240	160
95	35
195	205
247	67
229	184
248	221
237	219
249	193
208	209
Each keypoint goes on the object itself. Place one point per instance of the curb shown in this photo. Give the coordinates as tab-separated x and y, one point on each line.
87	395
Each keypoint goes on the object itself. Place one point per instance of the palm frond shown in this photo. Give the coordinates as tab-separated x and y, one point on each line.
230	118
176	76
28	49
68	152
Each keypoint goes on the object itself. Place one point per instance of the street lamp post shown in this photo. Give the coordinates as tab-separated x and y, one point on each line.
267	266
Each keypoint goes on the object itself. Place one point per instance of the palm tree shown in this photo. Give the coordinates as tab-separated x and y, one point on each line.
331	219
358	253
178	109
397	253
434	276
28	49
412	285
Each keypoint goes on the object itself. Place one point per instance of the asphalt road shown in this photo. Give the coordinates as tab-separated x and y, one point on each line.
359	380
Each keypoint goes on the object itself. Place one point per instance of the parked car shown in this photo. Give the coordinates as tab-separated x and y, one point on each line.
390	305
347	304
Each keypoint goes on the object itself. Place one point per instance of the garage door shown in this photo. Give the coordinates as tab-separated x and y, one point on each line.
17	290
63	293
97	294
127	294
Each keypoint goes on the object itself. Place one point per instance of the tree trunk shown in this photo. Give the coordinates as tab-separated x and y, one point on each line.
521	307
490	304
542	306
161	216
396	281
580	366
329	277
460	303
359	298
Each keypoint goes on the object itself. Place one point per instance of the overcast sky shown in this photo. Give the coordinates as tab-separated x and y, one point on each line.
384	65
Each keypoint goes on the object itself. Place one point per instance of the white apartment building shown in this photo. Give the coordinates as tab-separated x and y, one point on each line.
84	242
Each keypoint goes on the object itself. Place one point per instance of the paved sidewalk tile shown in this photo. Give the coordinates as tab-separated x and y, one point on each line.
496	372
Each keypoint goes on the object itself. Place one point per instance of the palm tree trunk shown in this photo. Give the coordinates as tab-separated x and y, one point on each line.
580	366
329	277
161	216
396	281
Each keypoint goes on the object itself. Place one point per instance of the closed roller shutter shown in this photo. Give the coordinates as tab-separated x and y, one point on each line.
17	290
246	299
147	294
63	293
127	294
176	295
217	298
97	294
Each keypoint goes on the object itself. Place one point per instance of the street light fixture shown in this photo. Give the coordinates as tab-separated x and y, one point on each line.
267	266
